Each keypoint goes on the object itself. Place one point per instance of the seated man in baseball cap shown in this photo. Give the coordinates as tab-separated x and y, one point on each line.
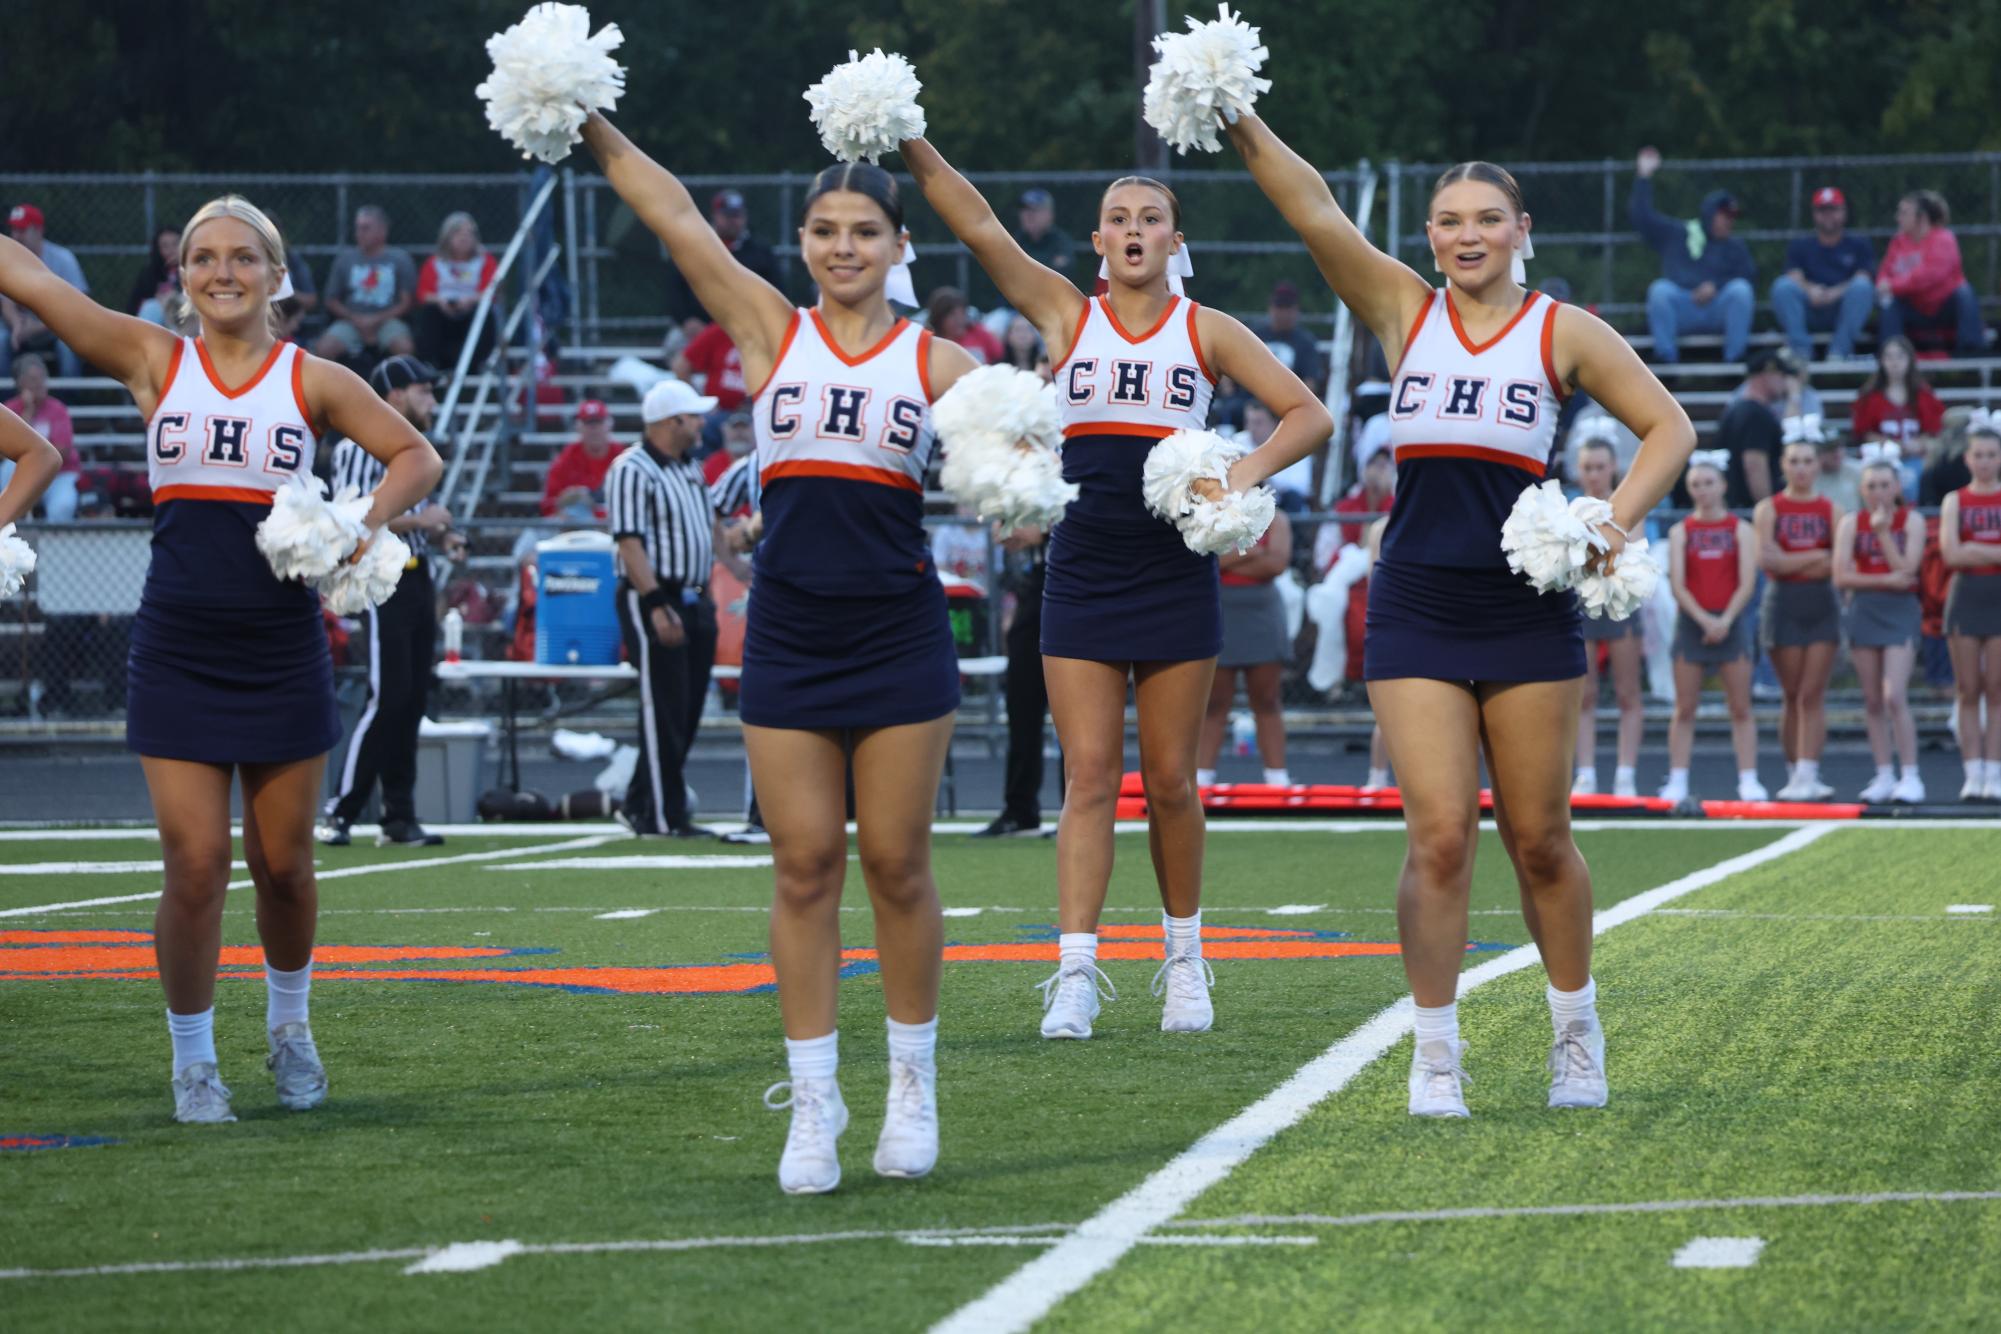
1827	283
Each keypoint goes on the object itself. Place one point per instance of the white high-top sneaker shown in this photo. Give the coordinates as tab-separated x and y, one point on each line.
908	1145
811	1163
1070	999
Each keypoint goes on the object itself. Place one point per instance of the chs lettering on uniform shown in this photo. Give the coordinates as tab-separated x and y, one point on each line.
170	444
1081	370
1130	383
1181	388
841	408
785	400
1465	400
286	449
905	426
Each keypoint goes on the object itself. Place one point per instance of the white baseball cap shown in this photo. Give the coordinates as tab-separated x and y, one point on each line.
673	398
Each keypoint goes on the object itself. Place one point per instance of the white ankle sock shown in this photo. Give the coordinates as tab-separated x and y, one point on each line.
1565	1006
286	994
814	1058
1078	946
1887	773
1438	1023
1587	773
1678	778
1747	776
915	1043
1278	778
1378	778
1183	934
194	1037
1205	778
1623	775
1807	771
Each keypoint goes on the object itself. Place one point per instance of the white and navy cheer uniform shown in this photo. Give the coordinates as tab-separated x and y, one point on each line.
847	623
1120	584
228	664
1472	425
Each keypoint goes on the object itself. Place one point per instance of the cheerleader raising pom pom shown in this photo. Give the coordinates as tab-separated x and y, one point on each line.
17	562
549	74
1001	428
1206	73
868	106
367	580
1552	543
306	536
1177	466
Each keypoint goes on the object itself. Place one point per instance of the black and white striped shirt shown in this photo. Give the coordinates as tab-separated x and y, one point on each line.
356	467
736	489
665	504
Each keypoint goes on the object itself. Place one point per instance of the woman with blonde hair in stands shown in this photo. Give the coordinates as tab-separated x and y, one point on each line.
1970	541
1597	475
1877	551
448	290
1713	571
229	672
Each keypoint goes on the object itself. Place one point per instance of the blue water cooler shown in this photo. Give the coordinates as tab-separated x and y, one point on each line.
576	599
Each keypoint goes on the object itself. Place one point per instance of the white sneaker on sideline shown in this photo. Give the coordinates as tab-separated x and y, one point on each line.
1436	1081
1796	790
1673	791
1991	789
295	1063
1070	999
811	1163
1583	786
908	1145
1186	979
1974	788
200	1096
1750	789
1816	790
1577	1065
1880	789
1909	789
1625	787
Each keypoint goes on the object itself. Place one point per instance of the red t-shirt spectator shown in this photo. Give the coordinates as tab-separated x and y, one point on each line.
455	279
714	357
51	422
1875	415
1923	272
986	348
575	467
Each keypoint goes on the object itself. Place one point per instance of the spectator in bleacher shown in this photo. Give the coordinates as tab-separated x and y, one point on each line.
1293	484
159	279
1896	404
300	309
1828	282
945	315
371	286
34	405
1751	431
1038	234
1840	476
1597	476
731	220
710	362
739	439
1023	348
1706	273
1945	467
574	489
1371	495
1296	349
448	290
1255	645
25	333
1922	284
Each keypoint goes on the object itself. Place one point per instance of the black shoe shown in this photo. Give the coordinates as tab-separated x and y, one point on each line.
1006	826
749	834
406	834
332	830
691	830
637	827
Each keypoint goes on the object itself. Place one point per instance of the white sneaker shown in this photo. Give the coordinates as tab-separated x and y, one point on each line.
1674	792
1750	789
295	1062
1991	789
908	1145
1186	979
1974	788
1577	1065
1880	788
1070	999
1582	786
811	1163
1796	790
1436	1081
200	1097
1625	787
1910	789
1817	790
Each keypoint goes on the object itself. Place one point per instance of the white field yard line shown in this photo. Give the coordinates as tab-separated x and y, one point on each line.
341	873
93	868
1034	1290
1575	1210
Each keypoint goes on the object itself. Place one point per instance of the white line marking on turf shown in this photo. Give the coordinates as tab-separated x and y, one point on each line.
92	868
1572	1210
668	863
1145	1241
1969	909
963	912
1034	1290
462	1257
625	914
1719	1253
1295	909
1733	914
373	868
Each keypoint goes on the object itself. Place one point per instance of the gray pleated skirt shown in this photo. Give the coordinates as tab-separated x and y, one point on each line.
1882	618
1598	629
1973	606
1798	614
1253	626
1688	645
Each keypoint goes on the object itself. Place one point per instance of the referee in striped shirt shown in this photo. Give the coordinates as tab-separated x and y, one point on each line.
665	526
402	637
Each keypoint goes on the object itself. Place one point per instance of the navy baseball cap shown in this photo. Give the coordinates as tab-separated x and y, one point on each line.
726	201
1035	198
400	373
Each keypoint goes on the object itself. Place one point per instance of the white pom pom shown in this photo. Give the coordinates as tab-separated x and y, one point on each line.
1209	527
17	562
549	74
868	106
1618	595
305	535
352	588
1207	72
1545	540
1001	429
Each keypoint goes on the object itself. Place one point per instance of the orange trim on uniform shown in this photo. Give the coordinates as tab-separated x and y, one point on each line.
835	348
201	350
299	392
173	369
1076	335
1195	341
852	472
249	495
1506	329
1549	353
1141	429
924	364
1480	452
784	346
1158	324
1411	335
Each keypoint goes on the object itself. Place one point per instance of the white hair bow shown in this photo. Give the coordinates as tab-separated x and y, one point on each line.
1596	426
1179	266
1718	459
1882	451
284	292
1517	268
1803	429
1984	421
897	285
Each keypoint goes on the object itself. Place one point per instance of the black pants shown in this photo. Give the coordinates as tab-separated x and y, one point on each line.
672	684
402	638
1027	704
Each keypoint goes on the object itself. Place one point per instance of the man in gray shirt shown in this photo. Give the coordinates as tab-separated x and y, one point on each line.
23	332
370	286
